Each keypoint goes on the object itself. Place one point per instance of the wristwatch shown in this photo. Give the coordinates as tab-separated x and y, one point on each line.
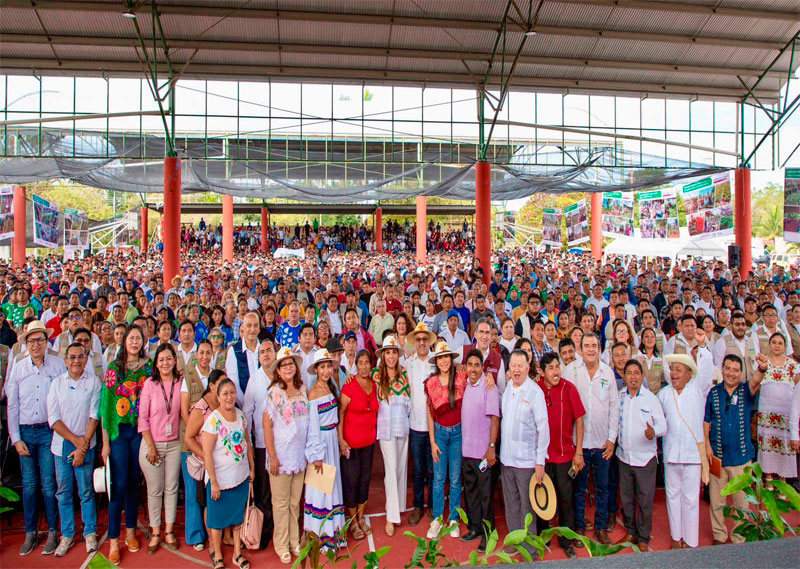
491	445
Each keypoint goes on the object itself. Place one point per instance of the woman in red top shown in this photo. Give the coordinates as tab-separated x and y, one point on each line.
445	390
358	419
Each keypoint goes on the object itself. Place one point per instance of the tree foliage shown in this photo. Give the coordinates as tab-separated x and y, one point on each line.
98	204
767	211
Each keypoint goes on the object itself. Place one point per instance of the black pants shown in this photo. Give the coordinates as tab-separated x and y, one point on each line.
356	472
564	485
263	495
478	495
637	489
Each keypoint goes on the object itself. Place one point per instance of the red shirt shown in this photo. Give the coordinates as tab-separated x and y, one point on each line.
361	417
394	306
563	408
442	413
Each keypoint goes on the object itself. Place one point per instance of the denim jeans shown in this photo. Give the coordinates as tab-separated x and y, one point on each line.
593	457
195	528
423	467
38	469
125	475
67	475
448	439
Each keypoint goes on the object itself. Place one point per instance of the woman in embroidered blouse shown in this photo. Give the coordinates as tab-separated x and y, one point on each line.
229	463
119	412
780	375
393	413
286	418
445	390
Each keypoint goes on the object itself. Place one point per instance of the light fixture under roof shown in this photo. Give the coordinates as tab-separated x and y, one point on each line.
130	14
530	33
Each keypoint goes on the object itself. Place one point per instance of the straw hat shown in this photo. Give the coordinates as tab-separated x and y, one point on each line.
101	477
442	349
421	328
543	497
389	343
284	353
35	327
684	359
320	356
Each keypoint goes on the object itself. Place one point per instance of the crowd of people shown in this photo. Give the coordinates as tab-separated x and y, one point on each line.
239	378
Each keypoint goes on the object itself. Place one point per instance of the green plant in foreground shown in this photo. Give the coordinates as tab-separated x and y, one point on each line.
8	495
766	522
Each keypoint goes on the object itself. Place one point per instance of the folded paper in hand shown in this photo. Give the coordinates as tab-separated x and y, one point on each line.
322	481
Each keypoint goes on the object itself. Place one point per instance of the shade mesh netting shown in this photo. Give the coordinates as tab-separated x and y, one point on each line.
336	172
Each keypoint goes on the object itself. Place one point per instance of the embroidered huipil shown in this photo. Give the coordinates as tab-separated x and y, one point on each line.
290	417
119	397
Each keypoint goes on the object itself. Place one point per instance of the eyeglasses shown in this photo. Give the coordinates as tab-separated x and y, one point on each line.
217	337
36	341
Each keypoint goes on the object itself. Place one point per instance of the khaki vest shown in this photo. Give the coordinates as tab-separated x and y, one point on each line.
4	358
681	347
195	386
747	359
654	373
794	338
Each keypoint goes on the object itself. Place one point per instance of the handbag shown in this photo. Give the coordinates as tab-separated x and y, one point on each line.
251	526
195	467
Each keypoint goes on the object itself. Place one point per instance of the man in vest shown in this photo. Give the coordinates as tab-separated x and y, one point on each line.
793	325
74	321
763	330
735	341
523	326
492	360
187	347
242	361
684	340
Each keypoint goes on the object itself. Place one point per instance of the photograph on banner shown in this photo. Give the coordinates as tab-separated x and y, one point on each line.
6	212
658	215
618	214
791	205
551	227
577	220
509	223
709	211
45	223
76	229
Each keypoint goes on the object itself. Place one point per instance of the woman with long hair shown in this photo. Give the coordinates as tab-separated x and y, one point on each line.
160	453
564	324
393	427
219	354
403	325
525	345
218	321
119	413
621	331
551	335
286	419
357	427
710	327
445	391
655	372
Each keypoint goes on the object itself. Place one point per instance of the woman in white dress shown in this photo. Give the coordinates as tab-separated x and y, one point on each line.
323	514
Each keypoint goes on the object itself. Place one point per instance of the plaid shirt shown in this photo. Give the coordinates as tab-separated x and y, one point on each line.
537	356
237	323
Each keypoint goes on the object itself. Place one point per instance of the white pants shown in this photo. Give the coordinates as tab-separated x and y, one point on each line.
395	465
682	483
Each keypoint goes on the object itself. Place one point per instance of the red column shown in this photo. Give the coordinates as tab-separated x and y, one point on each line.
145	230
20	227
597	225
743	221
172	219
422	228
264	229
227	229
483	216
379	229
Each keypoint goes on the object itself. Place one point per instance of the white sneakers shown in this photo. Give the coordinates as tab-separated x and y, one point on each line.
64	546
436	528
91	542
454	529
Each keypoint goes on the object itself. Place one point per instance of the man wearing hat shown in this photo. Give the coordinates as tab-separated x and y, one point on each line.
26	391
683	401
419	368
72	411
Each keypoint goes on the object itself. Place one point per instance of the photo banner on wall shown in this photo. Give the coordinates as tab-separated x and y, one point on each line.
618	214
45	223
6	212
76	229
658	215
709	209
791	205
551	227
577	220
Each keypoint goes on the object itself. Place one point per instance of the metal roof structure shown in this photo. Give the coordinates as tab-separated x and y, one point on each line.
697	49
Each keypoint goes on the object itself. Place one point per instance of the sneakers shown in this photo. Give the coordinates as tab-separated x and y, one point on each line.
435	529
52	542
454	531
63	546
30	543
91	542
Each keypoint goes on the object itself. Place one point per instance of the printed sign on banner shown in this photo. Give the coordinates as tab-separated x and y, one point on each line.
577	223
791	205
658	215
551	227
618	214
6	212
76	229
45	223
709	210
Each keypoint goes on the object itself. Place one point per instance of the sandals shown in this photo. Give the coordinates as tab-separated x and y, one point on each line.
358	533
113	553
152	548
172	544
364	527
132	543
241	562
218	564
389	529
284	557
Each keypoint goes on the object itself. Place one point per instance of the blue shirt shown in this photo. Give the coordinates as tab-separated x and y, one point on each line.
729	416
288	335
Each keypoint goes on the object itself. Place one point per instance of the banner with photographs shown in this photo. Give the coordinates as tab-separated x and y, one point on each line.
618	214
76	229
6	212
45	223
791	205
509	226
577	219
551	227
709	209
658	215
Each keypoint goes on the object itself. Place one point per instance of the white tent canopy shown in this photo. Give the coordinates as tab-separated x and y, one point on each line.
683	247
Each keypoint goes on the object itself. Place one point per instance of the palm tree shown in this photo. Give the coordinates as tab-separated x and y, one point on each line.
769	221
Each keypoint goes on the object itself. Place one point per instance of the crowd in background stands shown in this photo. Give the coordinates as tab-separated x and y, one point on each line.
245	375
322	241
